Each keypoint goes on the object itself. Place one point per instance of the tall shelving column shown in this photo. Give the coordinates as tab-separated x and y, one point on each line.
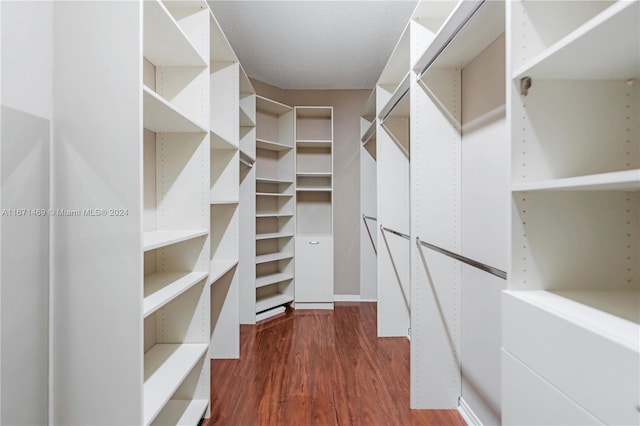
392	170
368	201
274	285
176	217
314	207
571	317
459	180
230	94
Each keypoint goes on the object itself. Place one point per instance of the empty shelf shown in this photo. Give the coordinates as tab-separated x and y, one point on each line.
270	180
245	120
271	257
272	279
314	188
220	202
156	239
271	146
272	194
161	116
271	301
270	106
314	143
165	368
627	180
260	215
162	288
221	142
274	235
219	267
182	412
164	41
313	174
586	53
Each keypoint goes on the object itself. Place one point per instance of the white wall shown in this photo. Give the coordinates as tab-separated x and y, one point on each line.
26	112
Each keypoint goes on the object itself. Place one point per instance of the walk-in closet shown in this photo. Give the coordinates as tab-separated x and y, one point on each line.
292	213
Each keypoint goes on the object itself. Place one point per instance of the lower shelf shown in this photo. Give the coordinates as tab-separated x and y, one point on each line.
165	368
271	301
220	267
181	412
272	279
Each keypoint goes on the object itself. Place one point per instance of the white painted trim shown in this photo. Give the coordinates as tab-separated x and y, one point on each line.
467	413
350	298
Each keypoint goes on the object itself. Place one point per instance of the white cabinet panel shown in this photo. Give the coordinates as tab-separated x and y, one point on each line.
314	269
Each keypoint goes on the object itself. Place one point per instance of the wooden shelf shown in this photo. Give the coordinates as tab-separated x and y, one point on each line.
165	368
182	412
156	239
161	288
265	303
271	146
271	106
271	257
219	267
604	48
161	116
273	235
627	180
306	143
272	279
165	44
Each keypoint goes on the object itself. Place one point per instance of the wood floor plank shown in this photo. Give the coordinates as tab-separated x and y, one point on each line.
320	368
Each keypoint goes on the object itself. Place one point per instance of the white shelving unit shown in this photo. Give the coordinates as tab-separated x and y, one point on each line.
274	219
314	207
368	201
575	161
176	219
232	118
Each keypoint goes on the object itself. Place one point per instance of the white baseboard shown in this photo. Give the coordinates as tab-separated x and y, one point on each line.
467	413
350	298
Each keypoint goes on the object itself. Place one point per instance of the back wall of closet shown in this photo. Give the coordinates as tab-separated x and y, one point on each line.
348	105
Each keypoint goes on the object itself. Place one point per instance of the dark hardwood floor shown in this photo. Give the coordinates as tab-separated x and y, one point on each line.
318	368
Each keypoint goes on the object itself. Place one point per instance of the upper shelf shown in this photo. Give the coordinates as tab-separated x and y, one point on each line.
271	106
588	52
156	239
164	41
396	100
626	180
271	146
161	116
220	49
468	30
313	143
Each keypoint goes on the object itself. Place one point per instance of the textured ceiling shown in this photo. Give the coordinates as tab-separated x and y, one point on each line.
313	44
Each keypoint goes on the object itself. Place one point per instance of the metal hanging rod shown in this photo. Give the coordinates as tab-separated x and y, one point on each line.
364	219
246	163
399	234
486	268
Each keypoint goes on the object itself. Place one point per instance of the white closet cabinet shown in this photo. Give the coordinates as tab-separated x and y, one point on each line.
572	313
138	294
314	207
275	165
